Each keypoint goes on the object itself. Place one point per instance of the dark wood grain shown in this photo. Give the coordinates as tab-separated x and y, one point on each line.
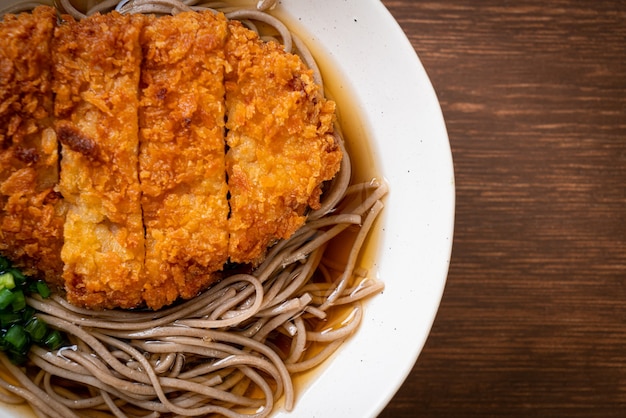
533	318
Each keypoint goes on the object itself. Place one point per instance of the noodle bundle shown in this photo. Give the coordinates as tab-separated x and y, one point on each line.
234	349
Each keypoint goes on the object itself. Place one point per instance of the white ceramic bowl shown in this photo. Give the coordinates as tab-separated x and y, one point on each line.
384	94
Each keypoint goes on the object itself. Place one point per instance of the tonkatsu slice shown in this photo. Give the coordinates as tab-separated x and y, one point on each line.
31	211
280	141
182	170
96	78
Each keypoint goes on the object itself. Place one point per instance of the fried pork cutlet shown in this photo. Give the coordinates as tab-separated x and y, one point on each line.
186	143
31	212
280	139
182	171
96	78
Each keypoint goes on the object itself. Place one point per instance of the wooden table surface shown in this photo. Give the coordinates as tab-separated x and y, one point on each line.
533	318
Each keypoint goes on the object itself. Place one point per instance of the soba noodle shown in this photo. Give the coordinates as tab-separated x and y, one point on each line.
234	349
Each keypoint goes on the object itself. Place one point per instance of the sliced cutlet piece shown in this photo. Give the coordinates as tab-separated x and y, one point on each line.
31	211
280	139
96	80
182	169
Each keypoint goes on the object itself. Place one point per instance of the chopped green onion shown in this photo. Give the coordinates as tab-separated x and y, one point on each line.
28	313
6	298
54	340
8	318
39	287
36	328
18	276
6	280
19	301
43	289
19	326
16	337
